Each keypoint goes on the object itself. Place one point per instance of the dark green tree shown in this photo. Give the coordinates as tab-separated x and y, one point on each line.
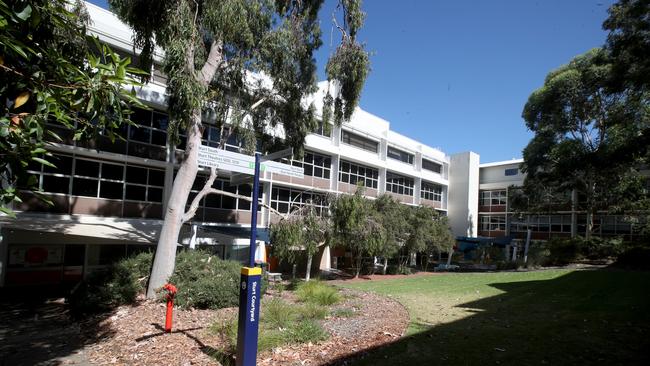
249	63
52	77
393	217
303	230
582	136
357	227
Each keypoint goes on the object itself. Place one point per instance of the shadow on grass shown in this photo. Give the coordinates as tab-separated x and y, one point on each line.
583	317
36	327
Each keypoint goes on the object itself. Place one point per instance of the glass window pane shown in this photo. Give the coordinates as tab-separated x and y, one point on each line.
136	193
110	171
55	184
157	177
84	187
155	194
136	175
111	190
87	168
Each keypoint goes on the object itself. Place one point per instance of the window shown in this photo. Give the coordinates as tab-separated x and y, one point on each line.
315	165
400	155
431	166
323	129
431	192
493	198
286	200
399	184
222	201
211	136
359	141
151	127
492	223
511	172
358	174
100	179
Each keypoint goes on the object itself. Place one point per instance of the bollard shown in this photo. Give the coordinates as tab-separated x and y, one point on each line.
171	292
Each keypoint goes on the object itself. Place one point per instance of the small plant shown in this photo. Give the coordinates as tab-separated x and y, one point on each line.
278	313
343	313
307	331
313	311
318	293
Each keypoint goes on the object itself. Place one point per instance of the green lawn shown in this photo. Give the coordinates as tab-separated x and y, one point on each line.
541	318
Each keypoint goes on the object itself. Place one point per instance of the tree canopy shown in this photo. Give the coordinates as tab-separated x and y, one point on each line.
592	123
52	76
247	63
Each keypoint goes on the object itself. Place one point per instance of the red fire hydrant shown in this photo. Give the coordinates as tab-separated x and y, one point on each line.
169	296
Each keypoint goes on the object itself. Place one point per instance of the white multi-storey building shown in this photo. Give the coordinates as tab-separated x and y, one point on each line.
109	197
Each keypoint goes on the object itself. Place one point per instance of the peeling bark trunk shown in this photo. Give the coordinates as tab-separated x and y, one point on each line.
308	273
175	216
165	257
385	268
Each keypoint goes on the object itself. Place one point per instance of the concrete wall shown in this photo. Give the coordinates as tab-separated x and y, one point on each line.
463	193
492	176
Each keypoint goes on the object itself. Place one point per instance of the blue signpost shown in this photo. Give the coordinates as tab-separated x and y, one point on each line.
251	276
249	290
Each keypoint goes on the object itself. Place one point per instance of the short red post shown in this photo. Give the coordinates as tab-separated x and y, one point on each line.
171	292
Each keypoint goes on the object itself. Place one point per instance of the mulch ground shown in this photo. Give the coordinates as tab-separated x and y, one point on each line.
135	335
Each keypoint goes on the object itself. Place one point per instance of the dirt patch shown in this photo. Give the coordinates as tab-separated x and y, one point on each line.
138	338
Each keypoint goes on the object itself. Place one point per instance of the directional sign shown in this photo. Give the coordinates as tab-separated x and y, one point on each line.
242	163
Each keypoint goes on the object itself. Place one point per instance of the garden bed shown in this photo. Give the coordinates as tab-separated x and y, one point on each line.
358	322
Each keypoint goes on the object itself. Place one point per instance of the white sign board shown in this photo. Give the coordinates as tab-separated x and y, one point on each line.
241	163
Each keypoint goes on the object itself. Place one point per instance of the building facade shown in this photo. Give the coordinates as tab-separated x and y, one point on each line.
496	216
109	196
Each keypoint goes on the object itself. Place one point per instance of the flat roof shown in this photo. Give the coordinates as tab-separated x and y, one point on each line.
504	162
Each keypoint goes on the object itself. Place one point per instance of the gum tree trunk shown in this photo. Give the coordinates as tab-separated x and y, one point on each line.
308	273
175	215
163	265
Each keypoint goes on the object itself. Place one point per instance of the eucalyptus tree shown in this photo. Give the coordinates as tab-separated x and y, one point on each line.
582	134
53	77
302	230
394	221
248	62
356	226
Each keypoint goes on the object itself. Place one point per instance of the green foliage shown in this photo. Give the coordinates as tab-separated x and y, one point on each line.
206	282
343	313
278	313
281	323
308	331
317	292
564	251
120	285
313	311
51	72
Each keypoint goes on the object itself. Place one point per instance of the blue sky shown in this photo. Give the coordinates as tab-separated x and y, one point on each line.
456	74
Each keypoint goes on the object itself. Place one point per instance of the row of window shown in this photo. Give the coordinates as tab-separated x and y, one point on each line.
399	184
431	192
352	173
90	178
313	164
493	198
285	200
492	223
400	155
218	200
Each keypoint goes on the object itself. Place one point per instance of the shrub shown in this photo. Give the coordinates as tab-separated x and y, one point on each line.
637	257
205	281
307	331
565	251
602	248
318	293
399	269
278	313
119	285
313	311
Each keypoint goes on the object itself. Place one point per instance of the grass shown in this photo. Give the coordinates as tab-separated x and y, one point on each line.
553	317
343	313
284	323
317	292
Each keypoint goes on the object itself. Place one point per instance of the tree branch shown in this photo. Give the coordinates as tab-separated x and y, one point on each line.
215	58
207	189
